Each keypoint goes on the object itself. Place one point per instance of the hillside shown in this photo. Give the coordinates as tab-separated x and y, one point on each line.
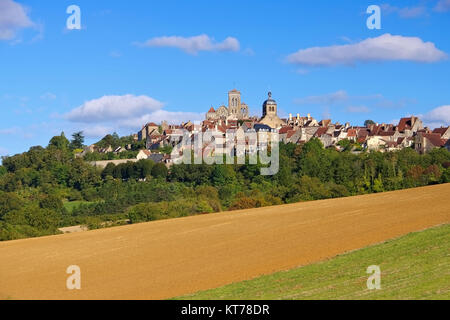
176	257
415	266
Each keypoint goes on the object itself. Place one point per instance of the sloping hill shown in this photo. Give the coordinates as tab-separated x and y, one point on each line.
170	258
415	266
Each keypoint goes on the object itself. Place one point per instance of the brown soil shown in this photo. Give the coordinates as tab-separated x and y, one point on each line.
169	258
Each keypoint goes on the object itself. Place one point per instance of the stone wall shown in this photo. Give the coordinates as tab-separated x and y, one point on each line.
103	164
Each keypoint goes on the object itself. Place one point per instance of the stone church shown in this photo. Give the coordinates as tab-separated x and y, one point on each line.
269	116
236	110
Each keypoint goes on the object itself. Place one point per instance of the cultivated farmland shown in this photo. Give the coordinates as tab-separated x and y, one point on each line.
171	258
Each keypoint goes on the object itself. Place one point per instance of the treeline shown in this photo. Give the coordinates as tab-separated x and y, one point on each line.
47	188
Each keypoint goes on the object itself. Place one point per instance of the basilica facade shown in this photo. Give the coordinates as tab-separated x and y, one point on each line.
236	109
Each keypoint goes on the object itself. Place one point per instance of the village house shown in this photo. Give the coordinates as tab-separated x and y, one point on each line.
235	118
425	142
143	154
443	132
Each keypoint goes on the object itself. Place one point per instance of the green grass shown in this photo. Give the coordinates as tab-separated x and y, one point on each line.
416	266
70	205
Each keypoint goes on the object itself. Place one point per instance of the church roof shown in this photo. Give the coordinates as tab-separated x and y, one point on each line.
270	101
211	110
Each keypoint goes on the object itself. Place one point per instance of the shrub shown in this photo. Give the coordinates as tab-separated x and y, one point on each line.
52	202
8	202
159	170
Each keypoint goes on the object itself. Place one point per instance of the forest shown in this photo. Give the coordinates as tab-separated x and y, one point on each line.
45	189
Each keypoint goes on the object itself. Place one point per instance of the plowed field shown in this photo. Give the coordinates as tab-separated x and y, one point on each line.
170	258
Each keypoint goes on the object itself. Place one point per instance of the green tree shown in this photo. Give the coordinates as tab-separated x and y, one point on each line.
108	171
144	212
159	170
43	219
77	141
144	168
59	142
8	202
52	202
3	171
368	122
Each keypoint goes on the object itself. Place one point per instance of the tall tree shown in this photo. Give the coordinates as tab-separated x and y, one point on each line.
59	142
368	122
77	140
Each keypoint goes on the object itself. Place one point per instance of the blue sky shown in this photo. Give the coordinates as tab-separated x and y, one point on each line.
138	61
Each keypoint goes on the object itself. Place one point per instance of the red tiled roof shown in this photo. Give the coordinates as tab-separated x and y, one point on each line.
391	144
351	133
405	123
325	123
440	131
321	131
363	133
290	133
361	139
211	110
435	139
386	133
284	130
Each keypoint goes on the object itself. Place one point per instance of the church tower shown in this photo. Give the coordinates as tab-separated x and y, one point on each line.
270	106
234	103
270	116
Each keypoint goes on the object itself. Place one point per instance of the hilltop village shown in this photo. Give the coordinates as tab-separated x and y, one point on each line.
296	129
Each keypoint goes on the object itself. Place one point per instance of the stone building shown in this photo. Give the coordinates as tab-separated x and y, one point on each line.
236	110
269	116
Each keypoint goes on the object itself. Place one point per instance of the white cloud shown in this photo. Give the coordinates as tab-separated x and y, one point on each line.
442	6
9	131
173	117
355	103
48	96
125	114
109	108
438	117
357	109
193	45
392	104
3	152
115	54
96	131
13	17
405	12
394	122
249	52
383	48
326	99
302	71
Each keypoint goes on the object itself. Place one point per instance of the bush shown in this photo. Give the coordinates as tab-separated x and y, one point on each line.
8	202
74	195
90	194
159	170
52	202
144	212
42	219
244	203
2	170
